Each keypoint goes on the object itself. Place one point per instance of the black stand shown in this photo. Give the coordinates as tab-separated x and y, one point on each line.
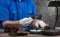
53	31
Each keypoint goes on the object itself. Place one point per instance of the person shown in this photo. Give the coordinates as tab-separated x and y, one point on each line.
38	22
12	11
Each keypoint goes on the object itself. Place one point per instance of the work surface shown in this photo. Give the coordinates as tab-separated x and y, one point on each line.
29	35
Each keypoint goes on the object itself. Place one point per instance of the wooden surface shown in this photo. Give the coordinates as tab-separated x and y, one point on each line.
29	35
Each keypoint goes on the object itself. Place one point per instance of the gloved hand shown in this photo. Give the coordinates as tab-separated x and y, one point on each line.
41	23
26	21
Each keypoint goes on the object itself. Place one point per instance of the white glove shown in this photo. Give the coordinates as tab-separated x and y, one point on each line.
41	23
26	20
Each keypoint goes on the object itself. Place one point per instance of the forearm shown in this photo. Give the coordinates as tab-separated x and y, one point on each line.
11	22
22	21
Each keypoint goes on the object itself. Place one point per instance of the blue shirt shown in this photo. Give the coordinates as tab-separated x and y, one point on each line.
16	9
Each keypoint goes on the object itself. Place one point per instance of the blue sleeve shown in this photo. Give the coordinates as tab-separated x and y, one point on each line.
34	10
4	11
